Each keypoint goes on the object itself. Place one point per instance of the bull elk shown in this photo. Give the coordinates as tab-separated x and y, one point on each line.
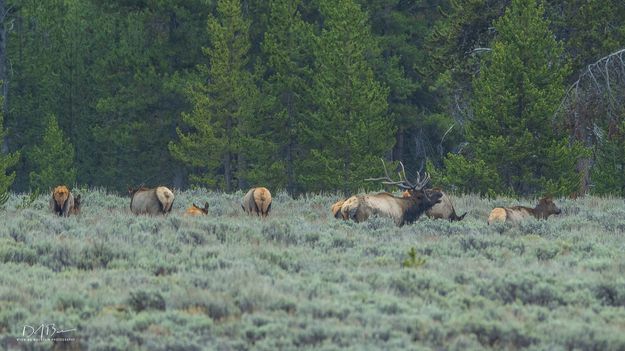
545	208
151	201
257	201
63	202
442	210
196	210
401	209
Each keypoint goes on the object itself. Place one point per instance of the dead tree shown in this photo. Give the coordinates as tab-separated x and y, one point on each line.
592	108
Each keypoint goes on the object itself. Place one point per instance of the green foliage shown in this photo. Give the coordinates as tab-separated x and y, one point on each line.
608	173
515	95
350	127
286	46
29	200
302	279
7	161
466	176
53	159
223	95
413	261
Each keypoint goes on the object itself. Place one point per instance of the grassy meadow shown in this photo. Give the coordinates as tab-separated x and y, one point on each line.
302	280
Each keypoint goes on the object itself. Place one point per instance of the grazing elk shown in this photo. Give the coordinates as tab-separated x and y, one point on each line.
442	210
151	201
257	201
401	209
196	210
63	202
544	209
336	209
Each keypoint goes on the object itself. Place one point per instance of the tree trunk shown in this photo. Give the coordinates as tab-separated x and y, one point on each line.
228	156
398	150
3	73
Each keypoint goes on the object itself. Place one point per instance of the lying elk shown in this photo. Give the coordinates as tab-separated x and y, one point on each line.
544	209
442	210
63	202
151	201
401	209
196	210
336	209
257	201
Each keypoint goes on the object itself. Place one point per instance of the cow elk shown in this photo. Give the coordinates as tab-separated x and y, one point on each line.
545	208
401	209
196	210
336	209
63	202
151	201
442	210
257	201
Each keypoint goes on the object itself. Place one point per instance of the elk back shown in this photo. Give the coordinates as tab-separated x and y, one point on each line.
151	201
444	210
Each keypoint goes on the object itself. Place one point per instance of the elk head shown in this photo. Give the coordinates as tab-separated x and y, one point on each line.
419	199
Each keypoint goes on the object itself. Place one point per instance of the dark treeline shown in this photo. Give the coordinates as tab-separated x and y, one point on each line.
308	95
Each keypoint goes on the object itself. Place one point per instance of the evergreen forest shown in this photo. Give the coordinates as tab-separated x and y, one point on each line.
518	97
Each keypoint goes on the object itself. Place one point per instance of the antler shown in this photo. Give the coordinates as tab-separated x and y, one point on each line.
402	183
421	183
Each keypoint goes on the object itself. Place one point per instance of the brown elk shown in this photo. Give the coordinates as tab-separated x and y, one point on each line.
63	202
196	210
545	208
442	210
151	201
257	201
401	209
336	209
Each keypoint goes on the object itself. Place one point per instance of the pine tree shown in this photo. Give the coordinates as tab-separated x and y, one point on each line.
515	96
286	48
7	161
223	95
350	128
53	159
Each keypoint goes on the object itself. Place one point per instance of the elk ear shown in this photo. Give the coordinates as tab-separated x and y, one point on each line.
206	206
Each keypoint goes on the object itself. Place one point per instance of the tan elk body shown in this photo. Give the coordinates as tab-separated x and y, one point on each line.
257	201
545	208
151	201
401	209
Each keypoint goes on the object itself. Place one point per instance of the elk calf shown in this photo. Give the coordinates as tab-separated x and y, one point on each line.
545	208
257	201
63	203
196	210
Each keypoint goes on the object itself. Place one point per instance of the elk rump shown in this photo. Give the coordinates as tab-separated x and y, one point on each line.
257	201
151	201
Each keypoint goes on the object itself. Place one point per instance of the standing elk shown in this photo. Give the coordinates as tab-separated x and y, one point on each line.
442	210
63	203
196	210
401	209
257	201
545	208
151	201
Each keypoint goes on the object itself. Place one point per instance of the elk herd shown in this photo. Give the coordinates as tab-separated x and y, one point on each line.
415	201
